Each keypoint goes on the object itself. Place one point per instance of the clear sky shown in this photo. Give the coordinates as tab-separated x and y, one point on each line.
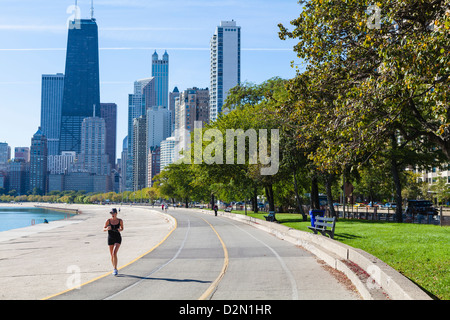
33	39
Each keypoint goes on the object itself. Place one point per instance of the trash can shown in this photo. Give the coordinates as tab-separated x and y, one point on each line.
314	213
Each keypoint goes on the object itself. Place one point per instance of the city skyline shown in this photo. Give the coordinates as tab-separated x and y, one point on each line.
34	44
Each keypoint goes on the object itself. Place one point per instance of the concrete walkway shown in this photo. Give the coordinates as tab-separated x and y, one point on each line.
41	260
215	258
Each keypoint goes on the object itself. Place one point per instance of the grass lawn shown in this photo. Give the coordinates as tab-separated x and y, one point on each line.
419	252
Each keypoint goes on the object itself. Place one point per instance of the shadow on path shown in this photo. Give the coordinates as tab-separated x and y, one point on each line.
162	279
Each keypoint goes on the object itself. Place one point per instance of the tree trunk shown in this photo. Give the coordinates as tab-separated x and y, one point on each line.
269	195
299	200
315	204
213	201
255	200
397	183
329	184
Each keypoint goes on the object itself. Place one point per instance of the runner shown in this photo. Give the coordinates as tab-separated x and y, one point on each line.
114	226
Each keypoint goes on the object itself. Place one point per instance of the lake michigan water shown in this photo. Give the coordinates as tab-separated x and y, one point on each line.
14	218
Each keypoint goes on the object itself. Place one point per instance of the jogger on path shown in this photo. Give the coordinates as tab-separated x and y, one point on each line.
114	226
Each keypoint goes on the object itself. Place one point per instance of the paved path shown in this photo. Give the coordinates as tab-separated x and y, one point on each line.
39	261
209	257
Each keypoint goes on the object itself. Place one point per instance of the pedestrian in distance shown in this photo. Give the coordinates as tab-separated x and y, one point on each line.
114	226
215	210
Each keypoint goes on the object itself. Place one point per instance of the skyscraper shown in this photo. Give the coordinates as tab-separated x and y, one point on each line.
140	153
18	176
167	152
51	104
123	165
138	102
158	126
153	164
172	96
160	71
5	153
38	163
81	82
108	112
192	105
225	64
93	157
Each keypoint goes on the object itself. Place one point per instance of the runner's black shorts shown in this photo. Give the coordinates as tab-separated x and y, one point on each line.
114	237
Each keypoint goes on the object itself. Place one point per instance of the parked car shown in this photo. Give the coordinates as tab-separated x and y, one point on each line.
390	205
424	207
375	204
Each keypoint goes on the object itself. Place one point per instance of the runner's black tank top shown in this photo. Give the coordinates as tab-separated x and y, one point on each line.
114	227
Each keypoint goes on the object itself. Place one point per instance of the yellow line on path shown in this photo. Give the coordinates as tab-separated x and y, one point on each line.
109	273
214	285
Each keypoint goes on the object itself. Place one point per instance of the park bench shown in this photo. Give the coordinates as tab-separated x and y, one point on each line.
323	226
271	216
228	209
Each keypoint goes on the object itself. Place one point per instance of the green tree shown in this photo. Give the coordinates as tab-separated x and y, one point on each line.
176	182
441	190
365	87
253	108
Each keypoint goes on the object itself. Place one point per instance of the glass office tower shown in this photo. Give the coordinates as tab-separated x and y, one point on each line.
160	71
38	163
51	105
81	82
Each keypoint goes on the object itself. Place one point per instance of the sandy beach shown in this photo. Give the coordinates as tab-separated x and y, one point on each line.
42	260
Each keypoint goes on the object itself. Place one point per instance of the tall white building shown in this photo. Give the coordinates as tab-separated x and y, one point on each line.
60	164
167	152
225	64
159	126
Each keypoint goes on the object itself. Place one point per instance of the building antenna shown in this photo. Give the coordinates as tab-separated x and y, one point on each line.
92	9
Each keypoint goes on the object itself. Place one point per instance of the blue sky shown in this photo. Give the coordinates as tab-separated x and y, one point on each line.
33	39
